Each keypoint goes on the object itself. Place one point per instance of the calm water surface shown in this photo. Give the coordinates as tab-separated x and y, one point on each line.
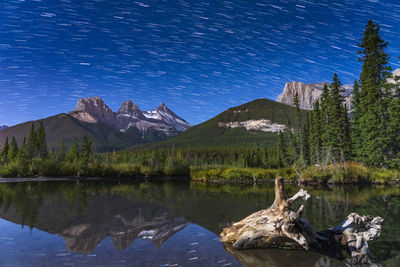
120	223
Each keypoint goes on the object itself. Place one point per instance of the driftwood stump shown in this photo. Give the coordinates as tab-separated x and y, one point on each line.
280	226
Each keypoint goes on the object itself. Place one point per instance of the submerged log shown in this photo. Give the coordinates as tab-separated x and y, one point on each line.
280	226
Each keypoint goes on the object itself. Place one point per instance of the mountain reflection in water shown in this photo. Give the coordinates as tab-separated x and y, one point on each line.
87	214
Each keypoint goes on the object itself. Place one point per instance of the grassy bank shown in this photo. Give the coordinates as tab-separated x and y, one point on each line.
112	165
226	174
347	173
96	168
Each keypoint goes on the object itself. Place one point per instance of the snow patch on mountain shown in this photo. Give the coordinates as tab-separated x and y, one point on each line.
256	125
93	109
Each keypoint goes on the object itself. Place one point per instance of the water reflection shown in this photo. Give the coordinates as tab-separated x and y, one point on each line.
84	214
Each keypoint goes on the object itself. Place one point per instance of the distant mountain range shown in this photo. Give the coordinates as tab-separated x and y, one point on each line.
162	119
107	129
2	127
256	122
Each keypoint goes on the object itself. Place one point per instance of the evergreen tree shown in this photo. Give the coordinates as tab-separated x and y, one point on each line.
291	144
62	153
31	142
356	113
282	150
23	151
41	144
73	153
324	120
347	144
336	120
393	129
298	142
372	123
316	134
4	152
306	139
13	151
86	149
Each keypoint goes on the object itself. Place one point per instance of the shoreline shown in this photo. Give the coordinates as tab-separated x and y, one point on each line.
200	181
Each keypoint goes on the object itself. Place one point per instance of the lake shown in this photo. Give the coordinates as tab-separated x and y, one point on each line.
123	223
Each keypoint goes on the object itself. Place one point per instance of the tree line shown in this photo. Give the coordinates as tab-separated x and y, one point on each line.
367	131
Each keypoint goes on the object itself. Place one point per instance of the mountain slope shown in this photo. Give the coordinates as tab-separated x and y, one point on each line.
255	122
108	130
93	109
65	127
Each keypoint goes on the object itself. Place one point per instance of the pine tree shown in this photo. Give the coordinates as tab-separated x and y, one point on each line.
23	152
86	149
291	144
31	142
372	123
13	151
73	153
62	153
306	139
282	150
4	152
347	144
324	120
41	144
316	134
356	113
393	129
336	119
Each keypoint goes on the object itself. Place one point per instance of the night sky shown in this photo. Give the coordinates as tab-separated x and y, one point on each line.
198	56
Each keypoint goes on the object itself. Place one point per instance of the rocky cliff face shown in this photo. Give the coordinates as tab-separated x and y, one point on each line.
93	109
308	94
311	92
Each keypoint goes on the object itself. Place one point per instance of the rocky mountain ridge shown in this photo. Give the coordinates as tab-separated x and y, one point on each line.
93	109
311	92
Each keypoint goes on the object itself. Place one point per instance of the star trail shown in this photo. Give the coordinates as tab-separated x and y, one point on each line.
199	57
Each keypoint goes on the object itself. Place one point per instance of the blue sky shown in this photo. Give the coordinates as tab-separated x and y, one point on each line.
199	57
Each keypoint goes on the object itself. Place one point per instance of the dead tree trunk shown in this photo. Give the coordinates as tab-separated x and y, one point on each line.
280	226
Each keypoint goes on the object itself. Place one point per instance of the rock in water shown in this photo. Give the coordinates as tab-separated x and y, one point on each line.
280	226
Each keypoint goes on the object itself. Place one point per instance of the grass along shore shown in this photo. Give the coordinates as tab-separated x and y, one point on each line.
346	173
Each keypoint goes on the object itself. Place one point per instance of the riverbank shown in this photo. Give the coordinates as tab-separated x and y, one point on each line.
345	173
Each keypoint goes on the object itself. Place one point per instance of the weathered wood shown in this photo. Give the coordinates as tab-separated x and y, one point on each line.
280	226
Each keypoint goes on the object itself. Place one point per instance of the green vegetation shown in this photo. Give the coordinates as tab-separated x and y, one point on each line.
328	137
325	145
213	133
64	127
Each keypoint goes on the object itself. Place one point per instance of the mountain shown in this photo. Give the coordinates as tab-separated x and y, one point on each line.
311	92
2	127
256	122
84	227
108	130
93	109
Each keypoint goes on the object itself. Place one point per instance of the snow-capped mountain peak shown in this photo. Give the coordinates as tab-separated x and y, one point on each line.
93	109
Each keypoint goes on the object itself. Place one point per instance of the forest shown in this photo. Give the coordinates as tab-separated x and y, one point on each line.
333	142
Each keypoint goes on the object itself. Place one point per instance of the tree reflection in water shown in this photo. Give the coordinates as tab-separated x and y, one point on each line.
85	213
